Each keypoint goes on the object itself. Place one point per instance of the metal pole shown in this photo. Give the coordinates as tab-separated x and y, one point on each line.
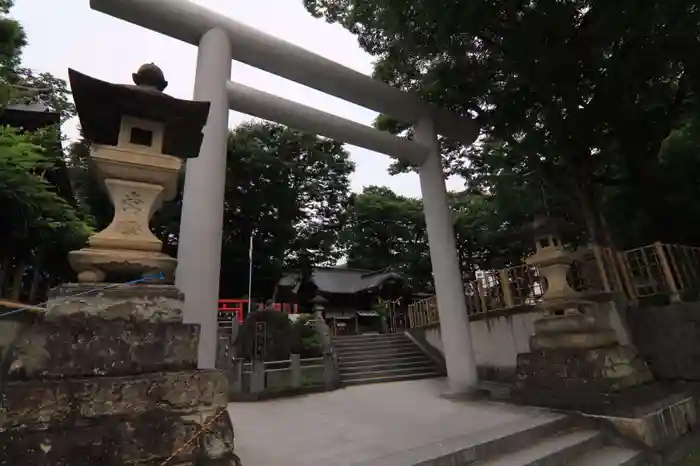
250	271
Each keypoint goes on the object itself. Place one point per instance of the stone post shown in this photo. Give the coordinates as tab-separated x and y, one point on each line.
295	365
330	377
257	376
109	367
236	377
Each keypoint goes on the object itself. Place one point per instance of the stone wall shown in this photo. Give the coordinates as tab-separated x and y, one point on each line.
668	337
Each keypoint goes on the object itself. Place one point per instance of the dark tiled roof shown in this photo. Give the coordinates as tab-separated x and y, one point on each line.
341	280
101	105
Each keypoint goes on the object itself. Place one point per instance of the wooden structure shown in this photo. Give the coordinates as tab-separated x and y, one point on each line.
354	301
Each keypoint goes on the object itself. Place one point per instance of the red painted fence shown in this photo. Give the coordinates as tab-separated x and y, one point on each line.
238	307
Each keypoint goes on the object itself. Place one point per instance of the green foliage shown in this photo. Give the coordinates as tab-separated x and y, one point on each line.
384	230
278	336
291	188
37	214
305	339
577	94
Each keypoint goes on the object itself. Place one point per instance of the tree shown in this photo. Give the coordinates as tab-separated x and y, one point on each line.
40	223
39	219
384	230
291	188
583	92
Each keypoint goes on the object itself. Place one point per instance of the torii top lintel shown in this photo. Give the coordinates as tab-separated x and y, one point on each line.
188	22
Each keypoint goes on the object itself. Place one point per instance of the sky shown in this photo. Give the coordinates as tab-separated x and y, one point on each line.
67	33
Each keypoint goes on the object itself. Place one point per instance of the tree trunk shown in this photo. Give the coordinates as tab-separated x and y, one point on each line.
4	267
18	274
36	280
598	232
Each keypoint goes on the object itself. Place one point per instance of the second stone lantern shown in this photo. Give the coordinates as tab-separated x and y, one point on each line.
574	348
140	138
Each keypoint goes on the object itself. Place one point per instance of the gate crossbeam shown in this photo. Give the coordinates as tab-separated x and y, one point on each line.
188	22
260	104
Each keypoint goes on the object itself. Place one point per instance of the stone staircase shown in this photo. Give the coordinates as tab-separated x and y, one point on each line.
573	447
364	359
555	443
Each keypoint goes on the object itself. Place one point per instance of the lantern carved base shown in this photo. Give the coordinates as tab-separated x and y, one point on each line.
95	265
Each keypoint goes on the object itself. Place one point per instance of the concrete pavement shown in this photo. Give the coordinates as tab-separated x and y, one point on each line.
390	423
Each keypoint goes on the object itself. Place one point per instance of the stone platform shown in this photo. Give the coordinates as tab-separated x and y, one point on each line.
654	415
397	424
110	378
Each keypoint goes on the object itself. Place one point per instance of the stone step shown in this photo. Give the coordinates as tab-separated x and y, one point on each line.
424	363
611	455
557	450
364	362
474	447
388	372
390	378
377	342
377	347
368	337
379	350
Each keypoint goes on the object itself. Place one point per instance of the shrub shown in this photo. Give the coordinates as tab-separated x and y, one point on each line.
306	340
279	335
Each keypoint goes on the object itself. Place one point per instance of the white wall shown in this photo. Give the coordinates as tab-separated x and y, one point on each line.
498	340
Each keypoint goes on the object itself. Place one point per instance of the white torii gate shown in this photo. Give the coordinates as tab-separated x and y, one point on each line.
220	40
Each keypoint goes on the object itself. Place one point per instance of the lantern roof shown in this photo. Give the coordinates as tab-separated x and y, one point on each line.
101	106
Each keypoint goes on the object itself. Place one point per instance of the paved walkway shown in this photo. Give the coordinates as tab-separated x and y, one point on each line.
360	425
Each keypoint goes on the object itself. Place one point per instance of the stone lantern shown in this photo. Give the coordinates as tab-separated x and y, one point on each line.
573	345
140	137
552	259
122	350
318	305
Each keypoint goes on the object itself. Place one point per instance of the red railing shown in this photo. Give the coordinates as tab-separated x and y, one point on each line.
233	305
238	307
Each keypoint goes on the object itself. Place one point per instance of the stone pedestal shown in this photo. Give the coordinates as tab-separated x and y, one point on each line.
110	377
574	348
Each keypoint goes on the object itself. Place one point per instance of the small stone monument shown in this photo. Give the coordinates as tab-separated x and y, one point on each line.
108	374
574	346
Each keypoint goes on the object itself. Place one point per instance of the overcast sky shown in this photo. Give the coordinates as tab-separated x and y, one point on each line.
67	33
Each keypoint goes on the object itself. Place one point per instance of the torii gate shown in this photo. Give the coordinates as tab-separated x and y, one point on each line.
220	40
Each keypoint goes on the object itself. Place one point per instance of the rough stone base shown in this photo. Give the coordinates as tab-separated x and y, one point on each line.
147	438
109	378
599	369
654	415
110	301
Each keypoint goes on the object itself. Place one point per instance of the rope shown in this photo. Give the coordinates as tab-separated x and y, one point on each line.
159	276
205	428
